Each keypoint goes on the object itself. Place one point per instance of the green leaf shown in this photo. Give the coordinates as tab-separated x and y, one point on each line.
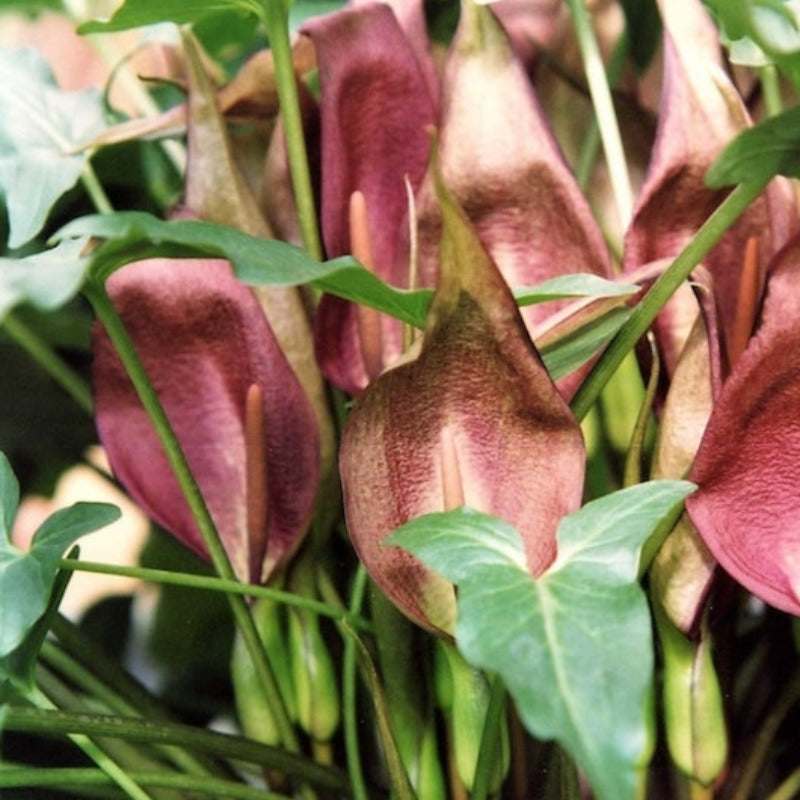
41	131
131	236
761	32
26	579
770	148
9	497
574	646
136	13
134	235
580	284
45	280
570	352
17	669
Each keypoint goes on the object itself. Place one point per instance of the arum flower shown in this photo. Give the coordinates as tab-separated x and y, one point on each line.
699	350
674	201
497	155
747	506
238	408
474	419
375	110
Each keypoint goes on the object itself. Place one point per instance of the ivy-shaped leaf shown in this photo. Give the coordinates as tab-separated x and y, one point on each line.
573	646
27	579
42	129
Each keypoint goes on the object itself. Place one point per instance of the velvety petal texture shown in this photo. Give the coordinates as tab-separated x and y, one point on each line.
204	341
502	164
475	408
701	112
747	508
375	109
217	191
698	96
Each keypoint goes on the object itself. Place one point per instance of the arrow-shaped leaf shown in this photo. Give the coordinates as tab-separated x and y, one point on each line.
574	647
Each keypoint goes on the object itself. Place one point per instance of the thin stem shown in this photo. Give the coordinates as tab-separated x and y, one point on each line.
591	140
115	773
490	740
214	584
277	23
89	683
132	729
604	109
12	777
771	89
95	190
44	355
349	701
124	347
646	311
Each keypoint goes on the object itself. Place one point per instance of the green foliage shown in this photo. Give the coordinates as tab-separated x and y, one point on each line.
761	32
46	280
27	579
770	148
130	236
582	284
136	13
573	646
42	129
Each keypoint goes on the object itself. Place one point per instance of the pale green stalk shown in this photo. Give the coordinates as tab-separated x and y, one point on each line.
276	20
604	110
771	89
214	584
95	190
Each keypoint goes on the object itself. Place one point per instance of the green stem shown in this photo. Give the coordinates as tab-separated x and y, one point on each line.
646	311
90	684
591	140
95	190
115	773
349	700
124	347
13	777
490	740
276	20
604	109
84	651
771	89
214	584
44	355
34	720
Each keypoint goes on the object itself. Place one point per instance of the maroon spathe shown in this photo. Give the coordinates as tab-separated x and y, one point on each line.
204	340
